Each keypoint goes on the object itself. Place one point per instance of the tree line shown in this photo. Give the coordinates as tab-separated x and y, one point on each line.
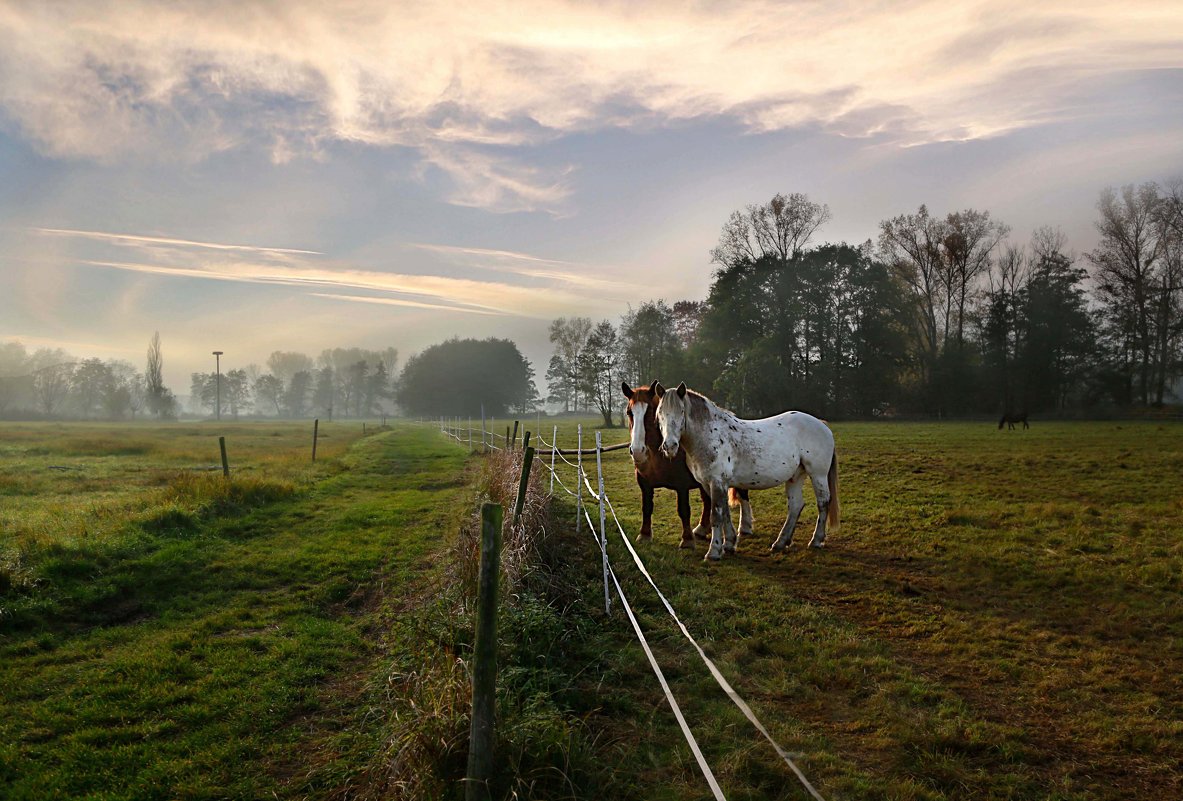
939	315
50	383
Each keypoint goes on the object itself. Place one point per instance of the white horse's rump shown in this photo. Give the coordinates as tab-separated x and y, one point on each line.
724	451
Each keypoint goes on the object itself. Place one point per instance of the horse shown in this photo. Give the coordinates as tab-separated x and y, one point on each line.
655	473
724	451
1010	418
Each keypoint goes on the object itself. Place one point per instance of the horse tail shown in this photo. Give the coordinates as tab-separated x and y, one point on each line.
732	497
832	512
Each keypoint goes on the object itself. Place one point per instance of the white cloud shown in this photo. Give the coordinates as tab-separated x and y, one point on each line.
470	85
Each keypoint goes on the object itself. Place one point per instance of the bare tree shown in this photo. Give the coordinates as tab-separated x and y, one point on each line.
911	243
1168	288
1125	260
970	238
781	227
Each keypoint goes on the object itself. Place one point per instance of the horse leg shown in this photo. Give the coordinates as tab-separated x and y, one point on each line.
684	515
746	522
821	491
729	534
646	510
704	521
720	520
795	496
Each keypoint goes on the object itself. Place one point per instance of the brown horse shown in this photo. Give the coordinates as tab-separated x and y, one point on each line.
1010	418
656	472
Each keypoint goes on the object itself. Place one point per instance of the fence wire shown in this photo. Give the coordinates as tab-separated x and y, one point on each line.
729	691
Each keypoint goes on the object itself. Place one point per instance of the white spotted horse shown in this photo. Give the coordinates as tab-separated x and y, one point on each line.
658	473
724	451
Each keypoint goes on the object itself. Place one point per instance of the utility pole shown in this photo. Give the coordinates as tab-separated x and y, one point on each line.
218	368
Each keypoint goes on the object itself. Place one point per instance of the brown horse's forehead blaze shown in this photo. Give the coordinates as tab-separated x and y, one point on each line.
643	395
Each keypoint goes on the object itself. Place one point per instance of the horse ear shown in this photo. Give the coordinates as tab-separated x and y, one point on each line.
682	390
626	389
657	388
653	383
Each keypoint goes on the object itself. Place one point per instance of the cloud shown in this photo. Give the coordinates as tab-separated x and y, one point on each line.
548	284
471	87
134	239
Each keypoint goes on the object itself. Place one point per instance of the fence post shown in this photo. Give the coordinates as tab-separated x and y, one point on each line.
225	464
603	523
315	433
524	481
484	658
484	442
515	436
470	435
507	439
554	446
578	478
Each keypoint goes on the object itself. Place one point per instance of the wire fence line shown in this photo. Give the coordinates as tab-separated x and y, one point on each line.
600	497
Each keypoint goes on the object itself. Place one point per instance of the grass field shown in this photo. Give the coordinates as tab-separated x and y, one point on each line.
998	617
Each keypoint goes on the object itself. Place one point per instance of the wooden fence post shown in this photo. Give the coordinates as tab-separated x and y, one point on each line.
507	439
225	463
524	481
484	442
484	658
515	436
315	434
470	435
603	524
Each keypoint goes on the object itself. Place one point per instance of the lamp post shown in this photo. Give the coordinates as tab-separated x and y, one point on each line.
218	367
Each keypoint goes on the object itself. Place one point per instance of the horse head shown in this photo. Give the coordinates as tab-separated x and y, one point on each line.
671	418
641	414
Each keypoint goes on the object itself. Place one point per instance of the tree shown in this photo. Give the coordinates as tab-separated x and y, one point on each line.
1125	263
14	378
88	383
781	228
911	244
285	364
236	391
295	399
598	369
160	399
649	340
269	391
51	371
569	338
457	376
970	237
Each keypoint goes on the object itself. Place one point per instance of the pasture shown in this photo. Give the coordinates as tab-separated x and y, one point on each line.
999	616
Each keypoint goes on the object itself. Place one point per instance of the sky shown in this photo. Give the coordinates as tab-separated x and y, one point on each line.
258	176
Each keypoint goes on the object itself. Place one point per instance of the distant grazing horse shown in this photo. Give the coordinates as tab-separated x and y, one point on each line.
654	472
1010	418
724	451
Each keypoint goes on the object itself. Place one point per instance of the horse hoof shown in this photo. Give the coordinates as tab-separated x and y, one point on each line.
817	545
745	533
700	533
710	557
686	544
781	549
728	549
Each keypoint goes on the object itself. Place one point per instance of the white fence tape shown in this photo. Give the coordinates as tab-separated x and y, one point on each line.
601	497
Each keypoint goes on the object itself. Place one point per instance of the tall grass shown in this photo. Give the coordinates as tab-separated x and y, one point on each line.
544	751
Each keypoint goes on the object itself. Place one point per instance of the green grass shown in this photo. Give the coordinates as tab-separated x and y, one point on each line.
999	617
202	648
